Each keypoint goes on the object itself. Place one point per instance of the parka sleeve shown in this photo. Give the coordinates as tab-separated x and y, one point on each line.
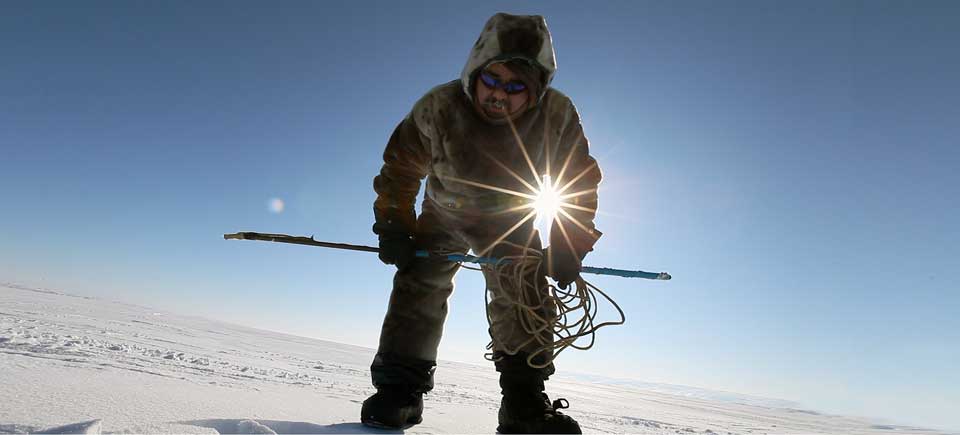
405	164
579	176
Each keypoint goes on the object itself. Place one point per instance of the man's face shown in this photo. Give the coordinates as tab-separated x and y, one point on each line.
496	102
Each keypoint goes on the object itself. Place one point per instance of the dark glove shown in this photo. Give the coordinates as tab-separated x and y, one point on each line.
564	267
397	248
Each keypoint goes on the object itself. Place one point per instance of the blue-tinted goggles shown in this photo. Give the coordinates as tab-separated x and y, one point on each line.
511	87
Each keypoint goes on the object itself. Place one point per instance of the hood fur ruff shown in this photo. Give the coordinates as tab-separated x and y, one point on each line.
507	37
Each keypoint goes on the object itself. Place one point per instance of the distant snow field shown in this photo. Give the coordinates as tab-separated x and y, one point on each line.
72	364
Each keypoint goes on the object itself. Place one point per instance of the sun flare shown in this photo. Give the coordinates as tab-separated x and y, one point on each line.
546	204
548	200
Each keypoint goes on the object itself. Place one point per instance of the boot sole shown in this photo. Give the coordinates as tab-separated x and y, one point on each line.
506	429
412	421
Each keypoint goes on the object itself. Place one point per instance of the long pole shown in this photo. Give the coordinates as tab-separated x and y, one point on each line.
310	241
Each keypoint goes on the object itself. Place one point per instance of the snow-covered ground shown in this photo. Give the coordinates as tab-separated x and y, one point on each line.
73	364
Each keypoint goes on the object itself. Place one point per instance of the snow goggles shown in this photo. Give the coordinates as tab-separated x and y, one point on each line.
511	87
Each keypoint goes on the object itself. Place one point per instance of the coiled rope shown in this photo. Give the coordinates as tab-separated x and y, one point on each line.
575	309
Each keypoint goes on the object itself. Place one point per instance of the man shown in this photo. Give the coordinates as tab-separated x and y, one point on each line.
474	139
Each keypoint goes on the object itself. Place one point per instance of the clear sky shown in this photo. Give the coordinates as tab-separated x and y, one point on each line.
792	164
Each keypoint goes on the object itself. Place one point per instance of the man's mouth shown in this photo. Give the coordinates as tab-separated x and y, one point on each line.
496	106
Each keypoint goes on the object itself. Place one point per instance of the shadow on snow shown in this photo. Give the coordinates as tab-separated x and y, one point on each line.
247	426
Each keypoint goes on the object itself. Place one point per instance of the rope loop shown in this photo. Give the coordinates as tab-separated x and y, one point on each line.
574	309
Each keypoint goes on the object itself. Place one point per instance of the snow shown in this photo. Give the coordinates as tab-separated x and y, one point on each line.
71	364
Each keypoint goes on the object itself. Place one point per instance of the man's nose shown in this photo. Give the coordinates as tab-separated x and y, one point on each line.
500	94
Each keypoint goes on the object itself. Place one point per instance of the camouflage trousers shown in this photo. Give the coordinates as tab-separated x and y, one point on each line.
413	325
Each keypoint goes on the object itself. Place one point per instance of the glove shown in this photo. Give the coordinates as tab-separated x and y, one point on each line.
565	266
398	249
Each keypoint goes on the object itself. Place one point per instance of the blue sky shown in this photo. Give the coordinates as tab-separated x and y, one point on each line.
792	164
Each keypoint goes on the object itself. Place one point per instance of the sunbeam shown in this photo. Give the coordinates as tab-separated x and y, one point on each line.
523	149
511	172
507	233
489	187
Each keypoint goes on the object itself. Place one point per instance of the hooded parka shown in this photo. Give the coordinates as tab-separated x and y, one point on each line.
447	140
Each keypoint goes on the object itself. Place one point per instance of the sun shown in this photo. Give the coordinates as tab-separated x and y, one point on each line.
546	204
548	201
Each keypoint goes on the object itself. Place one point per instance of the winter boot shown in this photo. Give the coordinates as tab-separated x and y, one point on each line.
525	408
533	413
393	407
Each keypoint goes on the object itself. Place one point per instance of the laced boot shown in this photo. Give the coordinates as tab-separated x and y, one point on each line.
393	407
532	412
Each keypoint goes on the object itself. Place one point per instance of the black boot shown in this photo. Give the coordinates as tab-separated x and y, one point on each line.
393	407
533	413
525	408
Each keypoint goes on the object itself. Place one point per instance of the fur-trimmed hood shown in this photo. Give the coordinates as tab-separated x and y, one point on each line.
506	37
